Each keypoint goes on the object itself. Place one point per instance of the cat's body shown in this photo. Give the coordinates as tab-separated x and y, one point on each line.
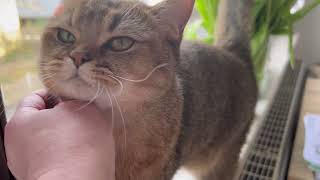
219	105
194	111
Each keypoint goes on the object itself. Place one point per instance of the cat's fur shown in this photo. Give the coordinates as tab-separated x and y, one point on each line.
194	113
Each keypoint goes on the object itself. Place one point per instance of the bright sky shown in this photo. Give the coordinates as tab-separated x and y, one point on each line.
9	21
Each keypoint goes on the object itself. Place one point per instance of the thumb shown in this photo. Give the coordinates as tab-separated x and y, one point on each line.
34	102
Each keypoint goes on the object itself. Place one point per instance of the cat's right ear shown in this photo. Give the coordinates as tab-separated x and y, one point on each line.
175	14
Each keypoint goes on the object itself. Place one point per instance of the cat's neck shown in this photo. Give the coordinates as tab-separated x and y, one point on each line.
146	104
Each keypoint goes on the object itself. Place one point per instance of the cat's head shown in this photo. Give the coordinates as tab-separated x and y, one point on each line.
93	47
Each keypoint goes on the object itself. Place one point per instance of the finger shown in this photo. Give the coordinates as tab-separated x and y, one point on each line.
34	102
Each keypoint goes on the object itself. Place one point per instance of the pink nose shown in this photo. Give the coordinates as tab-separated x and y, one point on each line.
80	58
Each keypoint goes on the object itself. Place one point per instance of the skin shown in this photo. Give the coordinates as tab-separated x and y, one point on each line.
45	144
174	103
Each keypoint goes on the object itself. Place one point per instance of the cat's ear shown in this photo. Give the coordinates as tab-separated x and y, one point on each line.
175	13
72	3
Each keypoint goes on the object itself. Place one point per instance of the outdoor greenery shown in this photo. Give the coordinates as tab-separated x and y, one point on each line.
270	17
21	55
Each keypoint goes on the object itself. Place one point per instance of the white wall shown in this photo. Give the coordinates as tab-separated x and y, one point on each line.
308	47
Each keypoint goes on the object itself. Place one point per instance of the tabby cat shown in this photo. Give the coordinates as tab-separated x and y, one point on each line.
173	103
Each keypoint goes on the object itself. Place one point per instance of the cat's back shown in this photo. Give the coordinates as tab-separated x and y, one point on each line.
214	74
210	64
217	88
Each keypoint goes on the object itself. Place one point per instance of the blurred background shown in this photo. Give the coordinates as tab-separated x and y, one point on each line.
282	26
285	30
21	24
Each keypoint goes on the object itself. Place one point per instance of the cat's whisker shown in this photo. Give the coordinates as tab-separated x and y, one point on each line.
50	68
48	76
112	110
51	64
46	71
112	77
145	78
49	81
92	100
123	121
120	83
49	89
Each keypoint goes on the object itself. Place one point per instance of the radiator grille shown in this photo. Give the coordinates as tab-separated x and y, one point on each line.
264	154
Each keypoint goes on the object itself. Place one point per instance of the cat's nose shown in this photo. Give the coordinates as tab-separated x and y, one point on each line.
80	58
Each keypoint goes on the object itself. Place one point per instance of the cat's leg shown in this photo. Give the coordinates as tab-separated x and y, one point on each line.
225	166
217	163
227	159
221	167
165	171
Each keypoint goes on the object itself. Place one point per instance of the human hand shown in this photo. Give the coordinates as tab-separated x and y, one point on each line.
59	143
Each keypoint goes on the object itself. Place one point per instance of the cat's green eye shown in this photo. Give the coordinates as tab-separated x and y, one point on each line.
65	36
121	44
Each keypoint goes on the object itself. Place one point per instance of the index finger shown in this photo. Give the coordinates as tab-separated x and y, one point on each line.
34	102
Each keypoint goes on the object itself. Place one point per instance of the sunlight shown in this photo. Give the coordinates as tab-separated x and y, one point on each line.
9	19
9	24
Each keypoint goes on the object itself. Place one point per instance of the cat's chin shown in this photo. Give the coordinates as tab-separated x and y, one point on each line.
103	103
75	89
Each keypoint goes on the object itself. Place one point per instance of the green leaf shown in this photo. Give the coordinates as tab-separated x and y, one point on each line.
291	48
304	11
191	30
270	17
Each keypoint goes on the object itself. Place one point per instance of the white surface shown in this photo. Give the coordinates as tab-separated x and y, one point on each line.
309	42
183	174
9	19
311	151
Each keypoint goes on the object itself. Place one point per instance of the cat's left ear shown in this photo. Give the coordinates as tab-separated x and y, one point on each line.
174	13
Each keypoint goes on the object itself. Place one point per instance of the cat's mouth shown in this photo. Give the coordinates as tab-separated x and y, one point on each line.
77	79
82	80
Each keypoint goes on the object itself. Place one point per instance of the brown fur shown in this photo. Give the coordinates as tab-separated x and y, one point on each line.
194	112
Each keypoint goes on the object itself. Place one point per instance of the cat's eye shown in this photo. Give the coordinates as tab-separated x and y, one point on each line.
121	44
65	36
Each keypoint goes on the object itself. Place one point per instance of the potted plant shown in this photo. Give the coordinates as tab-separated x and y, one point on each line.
271	17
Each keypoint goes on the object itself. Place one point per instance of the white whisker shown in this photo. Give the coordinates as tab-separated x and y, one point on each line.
112	113
101	77
145	78
120	83
44	77
123	121
92	100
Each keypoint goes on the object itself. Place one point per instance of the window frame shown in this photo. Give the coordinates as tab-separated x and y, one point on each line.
4	171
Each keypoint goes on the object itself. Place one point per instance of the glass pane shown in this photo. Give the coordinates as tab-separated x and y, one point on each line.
19	47
18	69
